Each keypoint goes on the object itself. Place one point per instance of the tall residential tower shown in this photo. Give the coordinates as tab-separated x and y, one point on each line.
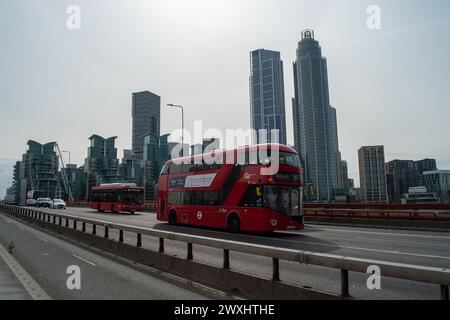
315	124
267	94
146	107
372	174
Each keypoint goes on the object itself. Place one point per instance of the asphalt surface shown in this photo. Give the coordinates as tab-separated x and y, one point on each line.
47	258
10	286
411	247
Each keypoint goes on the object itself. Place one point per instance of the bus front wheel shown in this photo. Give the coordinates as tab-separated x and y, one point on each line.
234	224
172	218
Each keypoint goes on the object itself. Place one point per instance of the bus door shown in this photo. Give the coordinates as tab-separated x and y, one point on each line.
162	207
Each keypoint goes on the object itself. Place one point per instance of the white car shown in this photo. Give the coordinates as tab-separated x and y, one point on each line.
58	204
31	202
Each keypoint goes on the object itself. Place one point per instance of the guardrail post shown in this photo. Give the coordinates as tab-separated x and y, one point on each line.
94	229
226	259
106	233
48	218
54	219
83	227
139	240
161	245
120	235
190	256
275	269
67	222
60	221
74	224
444	292
344	283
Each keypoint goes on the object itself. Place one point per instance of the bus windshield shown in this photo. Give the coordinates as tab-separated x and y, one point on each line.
282	199
289	159
285	158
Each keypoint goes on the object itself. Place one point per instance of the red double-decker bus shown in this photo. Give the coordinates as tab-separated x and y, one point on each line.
234	196
117	197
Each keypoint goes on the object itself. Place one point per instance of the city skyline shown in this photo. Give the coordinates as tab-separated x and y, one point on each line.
385	57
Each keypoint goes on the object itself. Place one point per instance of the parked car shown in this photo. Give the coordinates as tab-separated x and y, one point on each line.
44	203
58	204
31	202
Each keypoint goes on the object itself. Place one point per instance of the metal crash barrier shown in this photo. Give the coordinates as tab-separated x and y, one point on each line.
268	288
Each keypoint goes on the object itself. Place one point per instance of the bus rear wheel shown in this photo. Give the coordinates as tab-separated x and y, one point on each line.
234	224
113	209
172	218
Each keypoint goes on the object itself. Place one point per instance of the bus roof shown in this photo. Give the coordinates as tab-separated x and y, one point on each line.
119	185
254	147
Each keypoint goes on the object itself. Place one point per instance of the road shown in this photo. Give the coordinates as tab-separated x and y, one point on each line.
412	247
47	258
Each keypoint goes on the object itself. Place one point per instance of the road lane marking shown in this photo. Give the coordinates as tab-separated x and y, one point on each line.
368	249
340	247
42	239
380	233
87	261
407	242
33	288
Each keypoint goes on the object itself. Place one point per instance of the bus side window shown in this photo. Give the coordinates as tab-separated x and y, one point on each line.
176	168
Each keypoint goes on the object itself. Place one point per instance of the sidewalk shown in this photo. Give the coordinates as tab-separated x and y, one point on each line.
10	286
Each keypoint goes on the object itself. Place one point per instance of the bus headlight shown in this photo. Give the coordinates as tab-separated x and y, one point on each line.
274	222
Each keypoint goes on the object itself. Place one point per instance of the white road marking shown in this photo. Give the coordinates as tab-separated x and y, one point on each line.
408	242
33	288
87	261
42	239
381	233
367	249
347	247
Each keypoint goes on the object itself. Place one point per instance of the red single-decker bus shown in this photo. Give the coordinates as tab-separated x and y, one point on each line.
117	197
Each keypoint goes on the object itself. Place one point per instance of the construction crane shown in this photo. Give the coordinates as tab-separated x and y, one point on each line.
64	174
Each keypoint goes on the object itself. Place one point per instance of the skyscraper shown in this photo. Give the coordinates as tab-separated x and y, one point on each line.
38	171
343	175
267	94
372	174
146	108
315	124
400	176
438	181
101	164
422	166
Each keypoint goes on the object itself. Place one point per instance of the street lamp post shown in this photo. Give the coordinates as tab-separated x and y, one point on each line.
182	125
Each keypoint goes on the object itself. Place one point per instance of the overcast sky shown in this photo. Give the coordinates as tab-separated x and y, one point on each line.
389	86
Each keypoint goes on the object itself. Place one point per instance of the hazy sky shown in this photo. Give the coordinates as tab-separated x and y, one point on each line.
389	86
